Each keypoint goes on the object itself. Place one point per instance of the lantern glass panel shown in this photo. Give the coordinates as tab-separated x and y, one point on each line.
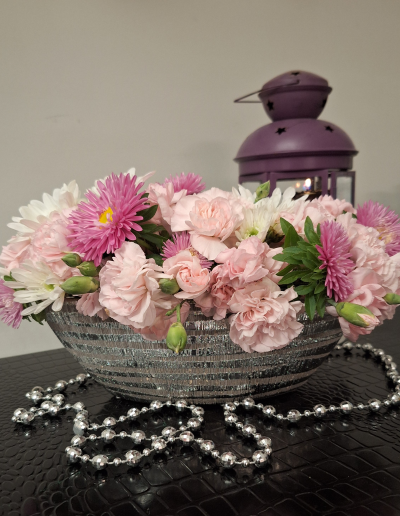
343	188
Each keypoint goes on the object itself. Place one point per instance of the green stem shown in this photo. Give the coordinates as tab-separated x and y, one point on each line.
178	313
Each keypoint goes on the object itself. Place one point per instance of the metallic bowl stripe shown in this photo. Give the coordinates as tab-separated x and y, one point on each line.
210	370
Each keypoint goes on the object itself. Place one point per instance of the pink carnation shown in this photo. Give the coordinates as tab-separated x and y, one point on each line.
181	242
16	252
192	278
211	217
191	183
166	198
215	302
264	318
89	305
334	206
160	327
129	288
317	212
10	310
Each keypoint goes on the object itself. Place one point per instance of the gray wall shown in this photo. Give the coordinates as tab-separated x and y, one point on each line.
89	87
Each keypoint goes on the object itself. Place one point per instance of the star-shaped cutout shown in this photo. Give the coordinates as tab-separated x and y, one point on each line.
295	73
281	130
328	128
270	105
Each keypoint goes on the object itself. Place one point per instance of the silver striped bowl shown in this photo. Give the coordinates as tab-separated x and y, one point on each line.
211	369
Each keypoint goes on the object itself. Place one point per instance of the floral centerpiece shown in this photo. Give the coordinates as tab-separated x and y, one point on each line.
145	255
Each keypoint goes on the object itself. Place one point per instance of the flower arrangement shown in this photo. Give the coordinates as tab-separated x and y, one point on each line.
144	255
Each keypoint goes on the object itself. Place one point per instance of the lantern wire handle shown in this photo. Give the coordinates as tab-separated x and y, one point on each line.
241	101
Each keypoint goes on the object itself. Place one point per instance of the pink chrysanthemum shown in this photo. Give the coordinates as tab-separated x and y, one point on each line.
181	242
335	256
385	221
10	310
192	183
102	223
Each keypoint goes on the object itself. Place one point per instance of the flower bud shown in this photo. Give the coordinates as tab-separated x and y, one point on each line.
392	299
80	285
356	314
72	259
169	286
262	191
176	337
88	269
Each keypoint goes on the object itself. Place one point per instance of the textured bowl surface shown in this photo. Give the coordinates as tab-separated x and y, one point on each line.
211	369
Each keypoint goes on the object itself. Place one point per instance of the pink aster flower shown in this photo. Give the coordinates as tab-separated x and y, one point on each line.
385	221
101	224
10	310
192	183
181	242
335	256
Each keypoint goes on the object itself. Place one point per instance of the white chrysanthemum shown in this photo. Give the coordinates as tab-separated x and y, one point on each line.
257	221
279	203
131	172
40	287
37	212
244	195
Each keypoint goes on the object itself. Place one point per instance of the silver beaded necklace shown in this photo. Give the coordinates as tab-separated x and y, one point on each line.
53	404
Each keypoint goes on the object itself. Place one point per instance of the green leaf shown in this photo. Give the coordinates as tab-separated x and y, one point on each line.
39	318
310	305
321	303
8	278
157	258
285	225
303	290
151	228
311	235
148	213
319	288
319	231
307	278
309	263
291	277
142	243
291	238
154	239
284	271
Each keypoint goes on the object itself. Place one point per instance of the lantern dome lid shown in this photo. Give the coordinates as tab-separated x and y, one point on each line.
296	137
296	80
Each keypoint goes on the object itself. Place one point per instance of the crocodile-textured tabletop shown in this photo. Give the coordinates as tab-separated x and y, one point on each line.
339	466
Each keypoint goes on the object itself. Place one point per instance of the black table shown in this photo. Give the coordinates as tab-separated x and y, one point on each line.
339	466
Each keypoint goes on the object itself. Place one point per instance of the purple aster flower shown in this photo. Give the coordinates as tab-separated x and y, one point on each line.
181	242
385	221
190	182
334	253
101	224
10	310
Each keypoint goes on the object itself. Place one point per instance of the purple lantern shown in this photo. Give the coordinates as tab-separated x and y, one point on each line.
296	146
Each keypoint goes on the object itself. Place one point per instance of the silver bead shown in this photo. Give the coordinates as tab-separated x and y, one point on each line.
67	406
257	436
379	353
46	405
80	427
61	385
133	413
95	426
49	389
186	437
386	403
122	419
28	395
395	398
19	411
58	399
207	447
159	444
37	388
14	419
374	405
27	418
269	411
33	409
85	458
40	413
307	413
168	403
143	410
248	403
133	457
397	388
245	463
348	346
231	407
152	437
239	425
260	458
156	405
73	454
388	359
36	397
181	404
182	428
146	452
78	440
109	422
360	406
81	378
391	367
171	439
82	415
227	460
117	461
192	407
236	403
78	406
264	442
215	454
200	419
332	408
320	410
231	419
138	436
92	437
260	406
293	416
71	381
198	411
168	431
108	435
279	417
249	430
123	434
367	347
100	461
53	411
346	407
193	423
